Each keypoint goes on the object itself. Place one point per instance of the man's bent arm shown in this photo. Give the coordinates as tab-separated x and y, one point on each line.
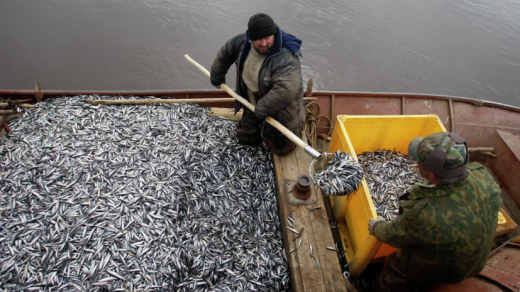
404	231
227	55
287	81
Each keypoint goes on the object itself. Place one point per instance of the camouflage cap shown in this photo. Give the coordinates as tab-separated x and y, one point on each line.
454	147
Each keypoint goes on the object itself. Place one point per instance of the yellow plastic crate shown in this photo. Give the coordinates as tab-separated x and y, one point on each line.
358	134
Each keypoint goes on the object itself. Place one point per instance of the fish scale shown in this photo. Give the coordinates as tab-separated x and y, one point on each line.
146	197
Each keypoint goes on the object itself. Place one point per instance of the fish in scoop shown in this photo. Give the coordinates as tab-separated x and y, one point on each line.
341	177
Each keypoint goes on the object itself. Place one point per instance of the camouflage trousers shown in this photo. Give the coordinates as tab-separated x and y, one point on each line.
394	276
251	132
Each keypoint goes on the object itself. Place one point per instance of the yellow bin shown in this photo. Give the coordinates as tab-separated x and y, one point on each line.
358	134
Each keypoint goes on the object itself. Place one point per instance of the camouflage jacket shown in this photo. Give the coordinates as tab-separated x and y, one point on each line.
445	231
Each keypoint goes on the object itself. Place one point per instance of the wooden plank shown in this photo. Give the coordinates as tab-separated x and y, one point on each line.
284	211
312	277
2	128
328	276
328	260
228	113
158	100
452	116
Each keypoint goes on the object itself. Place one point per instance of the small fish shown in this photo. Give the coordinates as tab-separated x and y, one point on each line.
292	222
317	264
341	177
389	175
299	233
293	230
136	198
315	208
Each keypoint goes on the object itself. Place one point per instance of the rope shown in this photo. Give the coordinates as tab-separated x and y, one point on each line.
311	124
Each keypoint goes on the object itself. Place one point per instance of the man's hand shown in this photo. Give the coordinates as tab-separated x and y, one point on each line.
259	118
217	80
372	222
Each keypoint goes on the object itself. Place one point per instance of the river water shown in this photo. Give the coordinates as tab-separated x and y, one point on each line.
466	48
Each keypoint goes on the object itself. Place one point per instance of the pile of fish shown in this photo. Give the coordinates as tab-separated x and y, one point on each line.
157	197
342	175
389	175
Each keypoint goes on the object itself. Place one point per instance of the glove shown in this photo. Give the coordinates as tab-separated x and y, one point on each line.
372	223
259	117
216	80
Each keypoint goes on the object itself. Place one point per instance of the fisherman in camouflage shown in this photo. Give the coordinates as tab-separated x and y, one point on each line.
269	75
446	224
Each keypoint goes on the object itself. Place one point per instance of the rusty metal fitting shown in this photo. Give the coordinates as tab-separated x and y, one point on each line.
302	187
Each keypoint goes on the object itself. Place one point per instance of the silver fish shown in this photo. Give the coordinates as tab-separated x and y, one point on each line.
157	197
389	175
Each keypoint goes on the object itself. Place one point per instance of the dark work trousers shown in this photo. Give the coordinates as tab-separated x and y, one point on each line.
251	132
395	277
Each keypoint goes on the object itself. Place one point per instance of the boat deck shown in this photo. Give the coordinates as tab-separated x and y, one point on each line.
306	275
482	124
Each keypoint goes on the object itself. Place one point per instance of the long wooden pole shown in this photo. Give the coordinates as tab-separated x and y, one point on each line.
308	149
481	149
148	101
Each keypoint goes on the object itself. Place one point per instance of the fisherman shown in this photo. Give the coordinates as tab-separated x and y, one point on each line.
269	75
446	224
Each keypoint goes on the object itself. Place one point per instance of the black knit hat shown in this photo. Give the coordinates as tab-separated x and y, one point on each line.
260	26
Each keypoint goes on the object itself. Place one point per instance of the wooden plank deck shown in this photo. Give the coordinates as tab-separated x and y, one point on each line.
305	274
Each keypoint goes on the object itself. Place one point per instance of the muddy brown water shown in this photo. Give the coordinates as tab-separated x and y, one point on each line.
466	48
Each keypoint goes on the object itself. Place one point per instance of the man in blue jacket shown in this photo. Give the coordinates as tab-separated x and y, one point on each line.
269	75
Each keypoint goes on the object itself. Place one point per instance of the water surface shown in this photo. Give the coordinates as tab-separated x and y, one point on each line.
467	48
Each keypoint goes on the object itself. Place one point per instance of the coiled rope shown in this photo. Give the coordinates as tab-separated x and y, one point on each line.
311	124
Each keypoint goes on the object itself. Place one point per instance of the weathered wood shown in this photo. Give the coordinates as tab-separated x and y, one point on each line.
2	128
452	116
311	276
329	262
7	112
166	100
149	101
328	276
284	211
225	112
481	149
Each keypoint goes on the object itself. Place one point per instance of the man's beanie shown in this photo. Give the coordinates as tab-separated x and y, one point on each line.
260	26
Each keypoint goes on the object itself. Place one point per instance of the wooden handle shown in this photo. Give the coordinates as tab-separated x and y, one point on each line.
179	100
147	101
246	103
481	149
223	85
